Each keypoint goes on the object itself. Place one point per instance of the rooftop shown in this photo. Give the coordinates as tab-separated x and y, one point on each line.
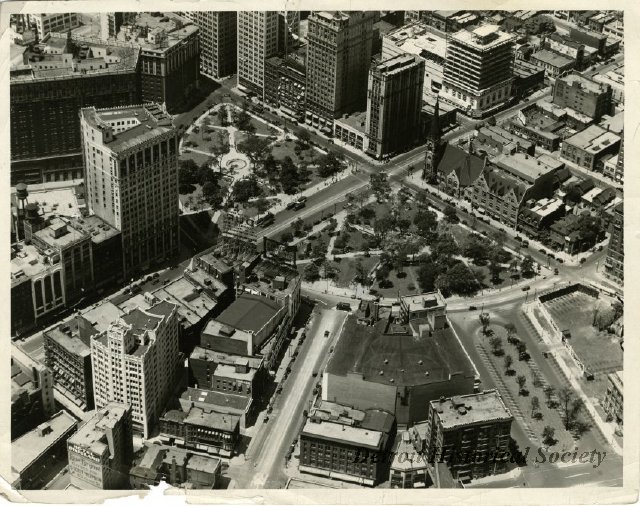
462	410
220	401
92	435
356	121
212	419
219	357
204	464
582	82
613	124
484	37
397	64
545	207
249	312
101	316
401	358
29	262
415	38
593	139
59	234
340	433
425	300
150	122
74	336
229	371
95	227
171	24
526	167
27	448
53	58
553	59
523	68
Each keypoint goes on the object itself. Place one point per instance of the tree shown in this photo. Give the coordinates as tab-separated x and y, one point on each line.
445	246
535	406
460	280
289	176
491	121
537	381
427	276
426	222
450	214
303	138
442	283
379	185
361	275
262	205
188	172
403	225
186	188
549	392
510	328
485	319
496	346
476	249
245	189
254	147
209	189
311	272
522	381
382	226
548	435
527	266
570	407
508	362
328	164
328	269
495	269
297	225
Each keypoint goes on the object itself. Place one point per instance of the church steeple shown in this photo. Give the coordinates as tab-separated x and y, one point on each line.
433	145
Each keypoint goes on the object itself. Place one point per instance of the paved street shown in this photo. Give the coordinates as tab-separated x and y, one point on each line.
266	454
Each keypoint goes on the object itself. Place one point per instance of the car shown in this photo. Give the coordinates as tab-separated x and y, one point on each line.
147	279
541	250
331	350
343	306
266	419
559	260
524	356
291	205
279	389
583	260
525	244
315	373
600	248
526	288
327	333
156	275
473	308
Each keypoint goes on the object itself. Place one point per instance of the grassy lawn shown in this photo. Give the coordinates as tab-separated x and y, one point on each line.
199	158
402	284
356	240
347	269
263	128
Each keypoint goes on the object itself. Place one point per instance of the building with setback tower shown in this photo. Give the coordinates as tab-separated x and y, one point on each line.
338	59
131	164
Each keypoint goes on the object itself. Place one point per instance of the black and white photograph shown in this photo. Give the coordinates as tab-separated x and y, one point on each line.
348	249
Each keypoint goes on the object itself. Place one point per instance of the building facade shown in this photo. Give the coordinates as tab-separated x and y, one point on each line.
338	60
285	83
101	451
47	93
614	398
588	147
478	72
131	163
583	95
394	103
614	262
67	351
257	41
470	433
135	362
54	22
218	41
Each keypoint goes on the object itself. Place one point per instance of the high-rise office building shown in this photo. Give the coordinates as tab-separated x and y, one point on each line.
288	30
101	451
135	362
47	92
131	163
614	263
111	22
338	60
394	102
218	41
478	71
257	41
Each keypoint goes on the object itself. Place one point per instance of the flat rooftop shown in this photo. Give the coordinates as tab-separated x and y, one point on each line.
339	433
28	262
212	419
59	234
553	59
249	312
102	315
545	207
527	167
415	38
356	121
462	410
483	38
398	359
220	357
150	122
169	22
95	227
211	399
613	124
58	200
204	464
92	435
27	448
582	82
425	300
74	335
397	64
229	371
593	139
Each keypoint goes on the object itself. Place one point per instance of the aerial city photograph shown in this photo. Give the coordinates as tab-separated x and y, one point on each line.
316	249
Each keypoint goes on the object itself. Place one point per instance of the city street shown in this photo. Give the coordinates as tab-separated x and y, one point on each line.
265	457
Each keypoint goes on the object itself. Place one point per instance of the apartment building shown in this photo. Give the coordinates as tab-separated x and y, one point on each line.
131	163
478	72
338	60
614	398
135	362
588	147
257	41
218	41
394	104
470	433
101	451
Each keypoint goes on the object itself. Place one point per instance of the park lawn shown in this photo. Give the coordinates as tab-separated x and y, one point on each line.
400	284
347	269
199	158
356	239
263	128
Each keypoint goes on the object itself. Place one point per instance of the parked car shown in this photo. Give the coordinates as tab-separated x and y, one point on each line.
343	306
524	356
526	288
555	271
156	275
473	308
291	205
559	260
326	333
